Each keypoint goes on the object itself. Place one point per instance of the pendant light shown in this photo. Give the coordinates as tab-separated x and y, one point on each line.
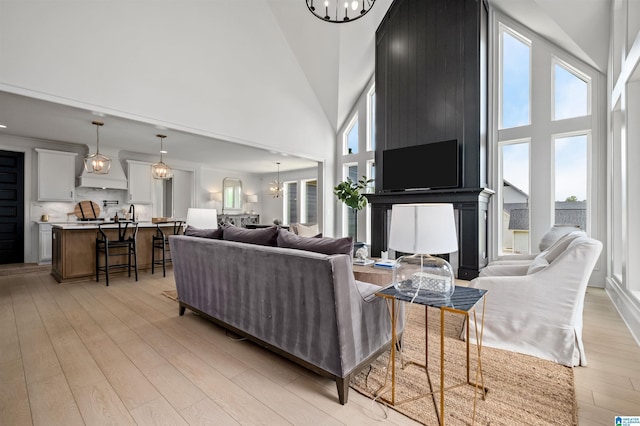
97	163
160	170
339	11
275	187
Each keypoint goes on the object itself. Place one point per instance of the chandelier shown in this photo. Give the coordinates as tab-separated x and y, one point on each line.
160	170
97	163
275	187
339	11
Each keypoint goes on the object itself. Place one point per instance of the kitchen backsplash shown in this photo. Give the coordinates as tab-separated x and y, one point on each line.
63	211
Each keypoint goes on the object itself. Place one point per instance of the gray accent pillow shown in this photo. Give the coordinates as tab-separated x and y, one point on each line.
215	234
261	236
324	245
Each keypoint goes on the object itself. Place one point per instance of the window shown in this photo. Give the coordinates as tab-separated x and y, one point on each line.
350	216
371	113
515	79
290	200
371	174
515	198
571	94
351	137
542	161
308	206
571	180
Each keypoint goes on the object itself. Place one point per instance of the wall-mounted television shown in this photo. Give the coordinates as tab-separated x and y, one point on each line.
428	166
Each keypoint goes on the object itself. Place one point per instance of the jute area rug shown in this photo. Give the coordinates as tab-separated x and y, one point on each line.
523	390
171	294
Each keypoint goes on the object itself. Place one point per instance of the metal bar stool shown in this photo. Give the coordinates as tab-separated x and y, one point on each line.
160	244
124	245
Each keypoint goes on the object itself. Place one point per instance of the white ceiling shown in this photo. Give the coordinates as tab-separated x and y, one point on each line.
337	61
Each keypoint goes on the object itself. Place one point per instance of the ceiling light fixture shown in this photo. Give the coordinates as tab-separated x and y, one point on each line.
97	163
160	170
275	187
339	11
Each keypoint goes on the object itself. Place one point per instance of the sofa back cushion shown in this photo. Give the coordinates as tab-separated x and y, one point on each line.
324	245
192	231
260	236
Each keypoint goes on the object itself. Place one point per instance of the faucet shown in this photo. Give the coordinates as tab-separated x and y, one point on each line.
132	211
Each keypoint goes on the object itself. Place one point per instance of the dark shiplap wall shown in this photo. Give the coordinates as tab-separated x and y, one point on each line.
429	77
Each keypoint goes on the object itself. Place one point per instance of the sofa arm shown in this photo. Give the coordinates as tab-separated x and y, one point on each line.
506	270
364	323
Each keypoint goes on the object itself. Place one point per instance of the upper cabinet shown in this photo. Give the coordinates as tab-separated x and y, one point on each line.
140	182
56	175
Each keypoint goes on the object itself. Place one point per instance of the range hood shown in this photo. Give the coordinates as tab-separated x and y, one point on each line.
116	179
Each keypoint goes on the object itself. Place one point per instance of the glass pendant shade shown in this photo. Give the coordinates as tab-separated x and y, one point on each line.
161	170
97	163
275	187
421	230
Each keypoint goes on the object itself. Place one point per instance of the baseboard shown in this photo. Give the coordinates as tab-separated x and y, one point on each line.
627	306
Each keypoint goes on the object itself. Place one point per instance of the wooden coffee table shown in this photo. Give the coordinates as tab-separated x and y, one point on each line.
369	274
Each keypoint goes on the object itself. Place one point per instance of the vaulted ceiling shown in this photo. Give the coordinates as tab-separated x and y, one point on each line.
327	64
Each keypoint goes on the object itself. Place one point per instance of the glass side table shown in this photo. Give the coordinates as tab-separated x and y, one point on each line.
464	302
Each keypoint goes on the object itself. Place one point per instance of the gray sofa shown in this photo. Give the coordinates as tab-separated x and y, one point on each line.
303	305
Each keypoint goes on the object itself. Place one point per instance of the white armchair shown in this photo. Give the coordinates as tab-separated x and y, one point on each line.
540	313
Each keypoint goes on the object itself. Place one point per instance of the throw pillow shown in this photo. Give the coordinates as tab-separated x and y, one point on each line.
307	231
215	234
540	263
261	236
324	245
561	245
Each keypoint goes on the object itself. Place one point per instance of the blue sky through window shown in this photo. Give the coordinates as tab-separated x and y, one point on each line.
571	94
352	139
515	165
571	167
515	81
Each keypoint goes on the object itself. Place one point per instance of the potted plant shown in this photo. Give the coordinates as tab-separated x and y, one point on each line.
352	192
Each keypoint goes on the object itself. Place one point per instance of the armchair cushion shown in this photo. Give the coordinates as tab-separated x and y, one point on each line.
539	264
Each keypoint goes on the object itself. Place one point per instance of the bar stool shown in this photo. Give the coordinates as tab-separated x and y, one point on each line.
160	243
124	245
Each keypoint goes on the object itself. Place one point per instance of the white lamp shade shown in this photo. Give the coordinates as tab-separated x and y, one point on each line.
215	196
423	228
202	218
252	198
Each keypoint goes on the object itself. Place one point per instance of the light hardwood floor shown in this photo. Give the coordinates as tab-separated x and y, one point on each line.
89	354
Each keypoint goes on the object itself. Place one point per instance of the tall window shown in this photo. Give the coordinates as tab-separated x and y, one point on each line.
571	184
290	200
542	131
351	139
515	79
309	204
515	197
350	216
571	93
371	113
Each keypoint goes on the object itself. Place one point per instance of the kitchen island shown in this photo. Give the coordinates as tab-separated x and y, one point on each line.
74	247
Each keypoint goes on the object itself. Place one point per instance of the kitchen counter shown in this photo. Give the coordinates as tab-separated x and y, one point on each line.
105	225
74	247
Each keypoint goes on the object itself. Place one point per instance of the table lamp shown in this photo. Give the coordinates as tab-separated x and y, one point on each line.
423	229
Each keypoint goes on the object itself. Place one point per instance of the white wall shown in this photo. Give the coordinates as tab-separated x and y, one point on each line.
211	182
217	68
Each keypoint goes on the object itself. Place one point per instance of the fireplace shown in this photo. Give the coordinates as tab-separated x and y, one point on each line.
470	206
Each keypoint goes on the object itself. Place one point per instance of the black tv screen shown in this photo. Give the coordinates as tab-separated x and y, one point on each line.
434	165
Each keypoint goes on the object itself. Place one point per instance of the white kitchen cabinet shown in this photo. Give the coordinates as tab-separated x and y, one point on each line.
140	182
44	252
56	175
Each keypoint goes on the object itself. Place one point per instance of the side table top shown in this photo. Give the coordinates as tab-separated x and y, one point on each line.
463	298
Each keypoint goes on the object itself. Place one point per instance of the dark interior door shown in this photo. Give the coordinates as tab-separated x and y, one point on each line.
11	207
